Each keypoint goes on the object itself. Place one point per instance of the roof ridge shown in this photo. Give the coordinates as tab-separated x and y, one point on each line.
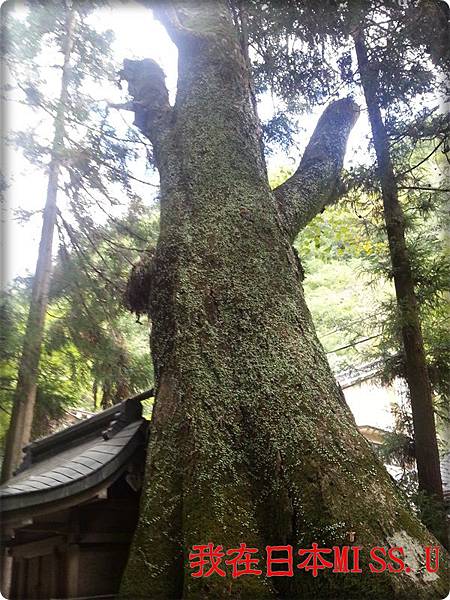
111	419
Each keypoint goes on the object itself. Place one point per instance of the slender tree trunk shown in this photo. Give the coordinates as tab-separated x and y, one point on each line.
95	395
25	393
122	388
426	448
122	383
107	395
251	440
116	387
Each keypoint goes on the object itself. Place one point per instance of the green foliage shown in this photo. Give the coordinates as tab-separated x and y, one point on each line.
432	513
349	288
346	326
93	353
335	248
64	376
354	230
12	323
346	258
301	53
88	286
336	234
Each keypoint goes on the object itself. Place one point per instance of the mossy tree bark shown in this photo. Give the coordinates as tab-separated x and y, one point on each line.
251	440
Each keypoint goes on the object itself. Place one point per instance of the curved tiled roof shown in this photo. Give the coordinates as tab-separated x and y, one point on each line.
75	461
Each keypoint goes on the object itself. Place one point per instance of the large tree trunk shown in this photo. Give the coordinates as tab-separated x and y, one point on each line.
426	448
251	440
25	392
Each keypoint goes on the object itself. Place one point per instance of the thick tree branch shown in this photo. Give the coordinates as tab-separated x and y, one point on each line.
150	98
187	22
316	181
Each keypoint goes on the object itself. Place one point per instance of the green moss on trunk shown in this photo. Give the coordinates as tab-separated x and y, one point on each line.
251	439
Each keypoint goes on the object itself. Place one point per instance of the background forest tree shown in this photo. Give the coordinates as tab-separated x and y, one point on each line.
87	161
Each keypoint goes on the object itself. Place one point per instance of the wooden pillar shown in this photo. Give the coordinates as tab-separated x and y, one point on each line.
72	570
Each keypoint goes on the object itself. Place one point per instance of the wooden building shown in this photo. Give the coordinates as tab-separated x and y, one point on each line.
69	513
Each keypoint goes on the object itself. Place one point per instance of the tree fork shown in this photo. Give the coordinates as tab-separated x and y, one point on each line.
251	440
316	182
